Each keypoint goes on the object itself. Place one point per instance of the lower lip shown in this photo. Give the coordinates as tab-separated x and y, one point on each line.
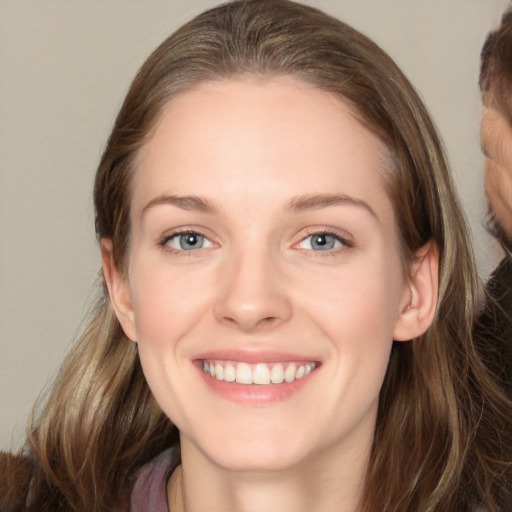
255	394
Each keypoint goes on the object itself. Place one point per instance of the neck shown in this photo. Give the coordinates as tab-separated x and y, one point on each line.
324	482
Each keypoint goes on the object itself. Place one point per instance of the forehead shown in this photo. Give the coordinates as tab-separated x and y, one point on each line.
266	134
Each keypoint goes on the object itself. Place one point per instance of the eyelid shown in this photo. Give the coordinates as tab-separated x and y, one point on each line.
206	242
163	241
346	240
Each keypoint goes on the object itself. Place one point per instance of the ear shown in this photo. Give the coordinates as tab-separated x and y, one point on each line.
420	296
118	290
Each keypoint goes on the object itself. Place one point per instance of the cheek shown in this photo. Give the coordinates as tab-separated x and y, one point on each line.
367	303
360	324
498	187
365	297
491	179
167	307
356	309
166	303
353	314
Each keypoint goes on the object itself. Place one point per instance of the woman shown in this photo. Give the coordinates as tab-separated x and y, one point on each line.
286	272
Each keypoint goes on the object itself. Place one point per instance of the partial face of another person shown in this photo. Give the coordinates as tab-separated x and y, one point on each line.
264	283
496	136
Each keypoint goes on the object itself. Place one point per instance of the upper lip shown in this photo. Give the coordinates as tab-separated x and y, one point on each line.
256	356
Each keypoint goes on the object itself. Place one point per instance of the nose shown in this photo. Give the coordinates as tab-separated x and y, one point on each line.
253	295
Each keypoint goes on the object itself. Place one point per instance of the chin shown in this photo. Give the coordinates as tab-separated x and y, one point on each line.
250	451
257	458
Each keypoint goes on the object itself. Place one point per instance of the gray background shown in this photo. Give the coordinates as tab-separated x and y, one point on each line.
64	69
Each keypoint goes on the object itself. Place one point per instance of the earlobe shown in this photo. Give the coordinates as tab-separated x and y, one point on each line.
118	290
420	299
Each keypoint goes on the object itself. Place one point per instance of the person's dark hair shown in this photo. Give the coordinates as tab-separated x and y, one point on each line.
442	440
496	66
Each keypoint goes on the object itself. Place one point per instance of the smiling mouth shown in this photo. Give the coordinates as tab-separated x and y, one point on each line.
262	374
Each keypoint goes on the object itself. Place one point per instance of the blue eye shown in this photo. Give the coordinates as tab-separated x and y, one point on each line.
320	242
188	241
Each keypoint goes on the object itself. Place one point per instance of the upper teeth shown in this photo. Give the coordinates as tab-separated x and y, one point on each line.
260	373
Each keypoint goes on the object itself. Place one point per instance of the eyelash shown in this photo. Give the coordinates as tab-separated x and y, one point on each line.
163	242
346	243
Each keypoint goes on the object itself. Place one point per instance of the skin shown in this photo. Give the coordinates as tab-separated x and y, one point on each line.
496	137
249	148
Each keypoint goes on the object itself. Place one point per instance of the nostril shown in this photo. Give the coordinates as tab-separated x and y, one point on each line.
250	324
268	320
229	321
252	304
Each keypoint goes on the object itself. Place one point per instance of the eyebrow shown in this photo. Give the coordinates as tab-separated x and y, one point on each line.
317	201
191	203
294	205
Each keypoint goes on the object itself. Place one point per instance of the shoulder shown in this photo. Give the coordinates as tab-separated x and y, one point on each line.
495	318
148	492
493	328
500	281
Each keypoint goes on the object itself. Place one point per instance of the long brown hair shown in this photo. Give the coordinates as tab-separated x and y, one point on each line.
442	440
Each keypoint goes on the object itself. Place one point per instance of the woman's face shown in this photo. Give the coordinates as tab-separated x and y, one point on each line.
264	282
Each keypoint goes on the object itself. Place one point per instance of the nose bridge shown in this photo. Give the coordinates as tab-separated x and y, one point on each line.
252	295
